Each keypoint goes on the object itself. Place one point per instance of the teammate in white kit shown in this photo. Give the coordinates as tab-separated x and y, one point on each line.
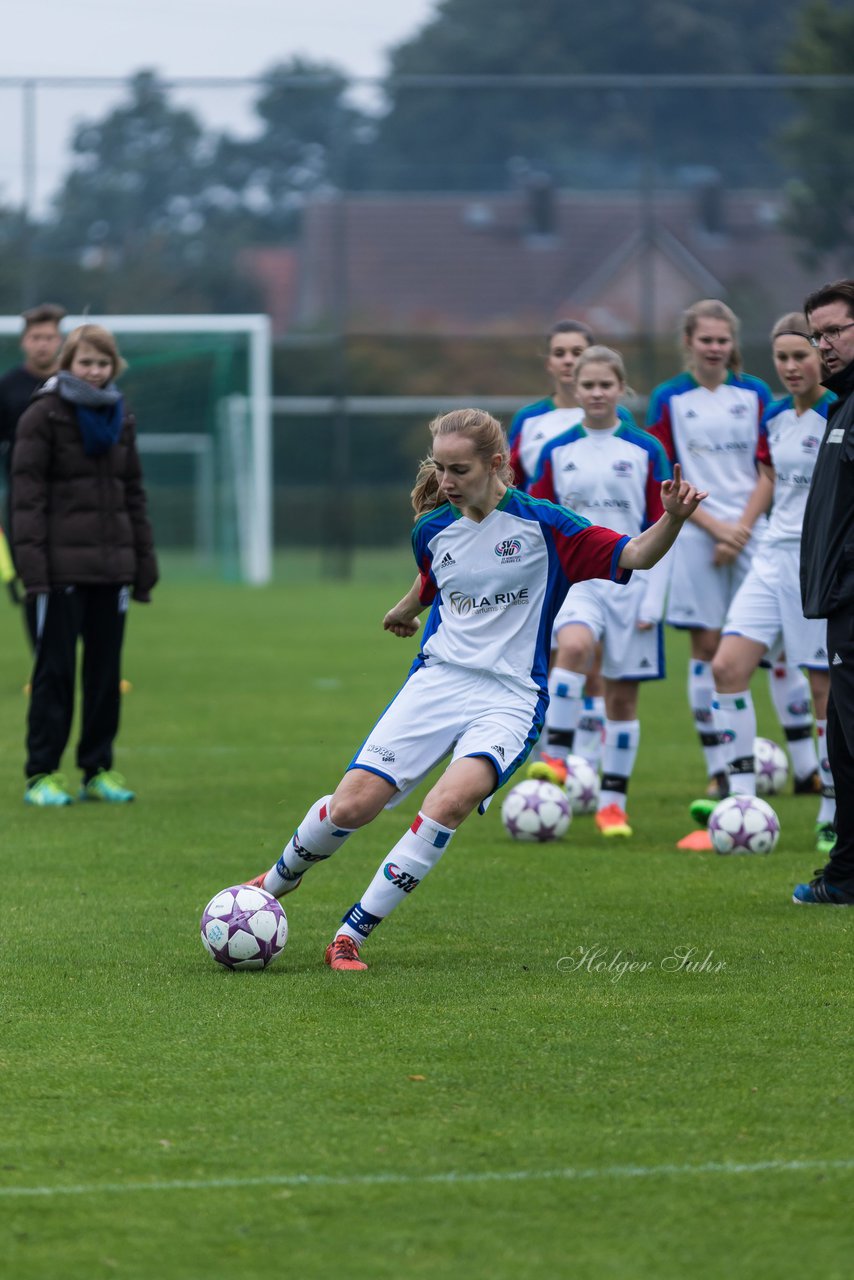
767	607
538	423
708	419
494	565
530	430
610	473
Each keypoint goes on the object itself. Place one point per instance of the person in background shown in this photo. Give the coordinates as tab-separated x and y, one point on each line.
83	546
708	419
766	610
827	574
40	344
530	430
610	473
537	423
494	567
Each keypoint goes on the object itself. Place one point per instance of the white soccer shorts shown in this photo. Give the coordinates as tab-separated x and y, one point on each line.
446	710
701	592
767	608
611	612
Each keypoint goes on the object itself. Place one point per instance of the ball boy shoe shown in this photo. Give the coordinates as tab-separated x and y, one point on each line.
47	791
109	786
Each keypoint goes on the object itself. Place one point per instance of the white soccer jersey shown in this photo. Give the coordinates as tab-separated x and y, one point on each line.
612	477
789	443
534	427
496	586
713	435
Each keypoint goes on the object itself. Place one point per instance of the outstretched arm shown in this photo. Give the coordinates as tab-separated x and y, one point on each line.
402	620
680	500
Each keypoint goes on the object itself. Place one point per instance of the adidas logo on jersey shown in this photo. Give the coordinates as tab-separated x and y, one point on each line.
691	413
446	561
570	466
837	661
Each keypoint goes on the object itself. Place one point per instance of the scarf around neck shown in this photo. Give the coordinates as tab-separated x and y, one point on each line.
99	410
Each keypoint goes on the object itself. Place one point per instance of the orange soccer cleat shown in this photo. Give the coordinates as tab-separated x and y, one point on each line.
613	821
342	953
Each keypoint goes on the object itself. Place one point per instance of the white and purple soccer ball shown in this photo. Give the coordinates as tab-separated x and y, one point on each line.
582	785
772	767
244	928
536	810
744	824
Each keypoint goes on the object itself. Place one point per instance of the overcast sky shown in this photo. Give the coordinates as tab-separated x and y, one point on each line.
176	38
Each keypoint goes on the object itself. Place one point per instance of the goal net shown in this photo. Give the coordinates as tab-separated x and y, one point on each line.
200	389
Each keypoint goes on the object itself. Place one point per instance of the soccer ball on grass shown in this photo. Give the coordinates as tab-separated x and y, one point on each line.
244	927
536	810
744	824
772	767
582	785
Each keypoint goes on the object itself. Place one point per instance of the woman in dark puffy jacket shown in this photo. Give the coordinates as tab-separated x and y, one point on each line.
83	547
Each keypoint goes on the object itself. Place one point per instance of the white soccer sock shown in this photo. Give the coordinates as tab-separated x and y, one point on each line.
735	717
790	693
565	697
416	853
315	839
622	739
590	734
827	808
701	695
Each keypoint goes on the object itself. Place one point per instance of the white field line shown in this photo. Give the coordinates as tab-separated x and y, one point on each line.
310	1181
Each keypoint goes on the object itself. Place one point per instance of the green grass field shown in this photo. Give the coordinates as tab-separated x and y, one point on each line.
470	1107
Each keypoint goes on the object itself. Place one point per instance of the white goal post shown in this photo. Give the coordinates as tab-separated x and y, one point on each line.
254	515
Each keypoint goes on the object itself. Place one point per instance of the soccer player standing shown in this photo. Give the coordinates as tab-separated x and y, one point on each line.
609	472
767	610
530	430
708	419
827	574
494	567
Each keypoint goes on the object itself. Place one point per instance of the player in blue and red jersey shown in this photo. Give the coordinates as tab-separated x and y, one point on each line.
708	420
494	567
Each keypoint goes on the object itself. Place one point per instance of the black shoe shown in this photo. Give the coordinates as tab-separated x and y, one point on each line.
808	786
819	893
718	788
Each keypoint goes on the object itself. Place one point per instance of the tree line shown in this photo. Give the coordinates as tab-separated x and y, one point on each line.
155	206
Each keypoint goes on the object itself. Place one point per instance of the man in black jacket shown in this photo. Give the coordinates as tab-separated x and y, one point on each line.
40	343
827	574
